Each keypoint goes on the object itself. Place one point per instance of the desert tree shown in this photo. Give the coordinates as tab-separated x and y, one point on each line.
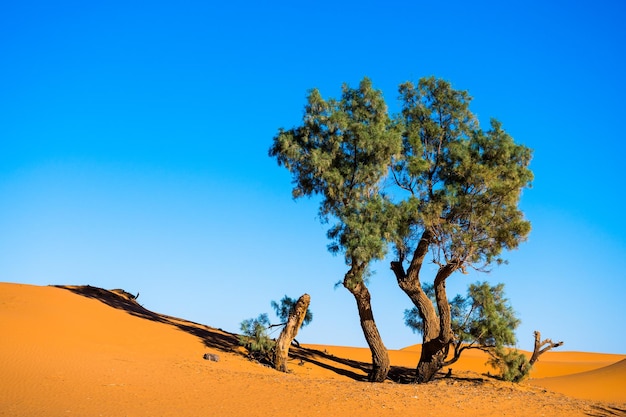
341	152
483	320
457	206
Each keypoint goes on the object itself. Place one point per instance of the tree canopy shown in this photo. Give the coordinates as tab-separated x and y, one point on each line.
463	183
342	152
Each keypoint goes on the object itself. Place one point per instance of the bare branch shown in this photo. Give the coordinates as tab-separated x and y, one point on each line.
542	346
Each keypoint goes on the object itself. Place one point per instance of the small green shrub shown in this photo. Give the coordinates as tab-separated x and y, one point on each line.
513	364
255	338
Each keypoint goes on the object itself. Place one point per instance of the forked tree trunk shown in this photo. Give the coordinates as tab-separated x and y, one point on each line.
437	332
431	361
435	350
294	322
380	356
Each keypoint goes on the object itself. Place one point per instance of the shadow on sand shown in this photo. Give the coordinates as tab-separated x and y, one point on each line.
606	411
119	299
229	342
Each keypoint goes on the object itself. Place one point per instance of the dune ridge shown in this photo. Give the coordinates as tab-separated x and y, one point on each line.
612	380
92	352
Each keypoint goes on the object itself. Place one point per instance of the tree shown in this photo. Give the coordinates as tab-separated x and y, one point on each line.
256	339
342	152
460	189
482	320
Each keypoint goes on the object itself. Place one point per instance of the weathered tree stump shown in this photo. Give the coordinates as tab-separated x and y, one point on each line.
294	322
541	347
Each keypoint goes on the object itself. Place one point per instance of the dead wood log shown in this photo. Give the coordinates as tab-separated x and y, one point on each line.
294	322
541	347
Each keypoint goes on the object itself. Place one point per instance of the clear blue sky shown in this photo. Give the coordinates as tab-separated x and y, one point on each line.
134	137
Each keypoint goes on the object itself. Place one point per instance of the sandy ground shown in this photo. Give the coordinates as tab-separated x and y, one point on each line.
87	352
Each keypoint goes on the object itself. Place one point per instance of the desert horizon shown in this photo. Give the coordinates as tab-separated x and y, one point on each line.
80	350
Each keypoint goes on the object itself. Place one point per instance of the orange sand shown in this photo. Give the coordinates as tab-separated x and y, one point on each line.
89	352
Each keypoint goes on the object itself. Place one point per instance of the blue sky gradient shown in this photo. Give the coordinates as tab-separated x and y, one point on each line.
134	138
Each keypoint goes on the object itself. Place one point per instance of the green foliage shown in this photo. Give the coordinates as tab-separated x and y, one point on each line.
255	338
484	318
513	365
491	321
460	183
463	183
342	152
286	306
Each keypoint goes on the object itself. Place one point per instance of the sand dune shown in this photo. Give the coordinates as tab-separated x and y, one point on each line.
605	384
84	351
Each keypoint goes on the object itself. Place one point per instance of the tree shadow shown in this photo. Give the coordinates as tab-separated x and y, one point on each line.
402	375
229	342
212	337
359	372
606	411
119	299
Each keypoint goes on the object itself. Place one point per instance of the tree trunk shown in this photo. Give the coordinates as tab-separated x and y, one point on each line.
437	333
435	350
380	357
431	360
541	347
294	322
410	284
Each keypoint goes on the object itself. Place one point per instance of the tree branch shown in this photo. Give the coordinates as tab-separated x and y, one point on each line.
458	349
420	253
541	346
